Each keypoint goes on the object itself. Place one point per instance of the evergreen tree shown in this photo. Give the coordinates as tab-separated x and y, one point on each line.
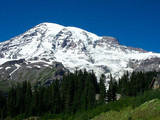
70	94
89	92
35	103
124	86
2	106
111	93
134	82
11	102
19	98
56	101
79	83
28	99
47	99
102	90
63	91
94	80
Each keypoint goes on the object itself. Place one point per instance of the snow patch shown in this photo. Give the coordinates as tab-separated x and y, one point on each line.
46	65
37	66
7	68
29	67
36	61
17	67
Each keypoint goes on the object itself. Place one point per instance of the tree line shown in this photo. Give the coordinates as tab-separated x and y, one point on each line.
76	92
132	84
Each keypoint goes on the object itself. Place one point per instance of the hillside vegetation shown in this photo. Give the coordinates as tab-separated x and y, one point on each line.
73	98
147	111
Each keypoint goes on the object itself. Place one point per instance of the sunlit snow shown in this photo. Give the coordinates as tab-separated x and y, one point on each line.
75	48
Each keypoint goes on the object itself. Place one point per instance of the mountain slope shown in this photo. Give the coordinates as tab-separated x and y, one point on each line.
147	111
36	72
76	49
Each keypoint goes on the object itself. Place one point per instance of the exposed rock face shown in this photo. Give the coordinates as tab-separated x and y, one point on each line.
75	49
110	40
38	73
1	55
149	65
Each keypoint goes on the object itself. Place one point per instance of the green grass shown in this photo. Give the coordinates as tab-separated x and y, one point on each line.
31	76
45	74
147	111
20	76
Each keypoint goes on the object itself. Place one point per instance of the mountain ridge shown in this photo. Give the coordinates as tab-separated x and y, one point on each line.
76	48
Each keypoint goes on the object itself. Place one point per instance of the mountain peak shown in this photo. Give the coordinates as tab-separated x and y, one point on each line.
111	40
50	24
75	48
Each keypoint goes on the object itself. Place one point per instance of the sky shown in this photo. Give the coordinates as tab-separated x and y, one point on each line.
134	23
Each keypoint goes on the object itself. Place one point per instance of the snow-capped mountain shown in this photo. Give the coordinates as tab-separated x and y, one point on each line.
76	48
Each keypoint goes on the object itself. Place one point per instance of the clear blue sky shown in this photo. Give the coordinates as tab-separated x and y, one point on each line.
133	22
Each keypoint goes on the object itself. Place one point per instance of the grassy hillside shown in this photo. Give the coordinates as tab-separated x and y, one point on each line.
147	111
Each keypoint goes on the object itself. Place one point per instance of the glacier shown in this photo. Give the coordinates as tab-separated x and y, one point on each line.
76	48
